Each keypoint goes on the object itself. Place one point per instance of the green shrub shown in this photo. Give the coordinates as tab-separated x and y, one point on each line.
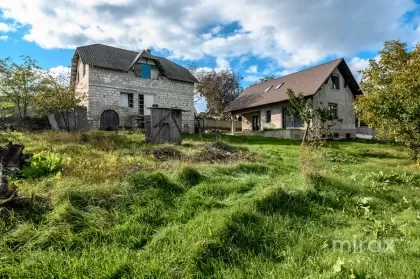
43	164
190	176
339	157
393	177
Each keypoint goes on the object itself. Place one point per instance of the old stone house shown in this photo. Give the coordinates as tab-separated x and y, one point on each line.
330	85
118	86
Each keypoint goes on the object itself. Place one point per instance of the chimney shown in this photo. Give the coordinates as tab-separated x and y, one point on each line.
149	51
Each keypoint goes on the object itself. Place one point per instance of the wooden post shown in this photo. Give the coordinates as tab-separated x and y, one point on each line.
233	124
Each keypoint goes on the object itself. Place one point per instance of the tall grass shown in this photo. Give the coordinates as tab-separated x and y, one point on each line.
117	211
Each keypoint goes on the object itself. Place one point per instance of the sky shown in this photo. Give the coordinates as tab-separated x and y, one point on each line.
251	37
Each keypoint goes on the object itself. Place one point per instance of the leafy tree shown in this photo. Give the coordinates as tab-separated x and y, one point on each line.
263	79
391	100
318	122
219	88
19	83
56	94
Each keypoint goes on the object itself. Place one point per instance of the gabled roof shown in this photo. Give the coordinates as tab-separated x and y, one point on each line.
308	82
121	59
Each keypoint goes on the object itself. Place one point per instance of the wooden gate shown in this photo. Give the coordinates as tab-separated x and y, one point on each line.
164	126
109	120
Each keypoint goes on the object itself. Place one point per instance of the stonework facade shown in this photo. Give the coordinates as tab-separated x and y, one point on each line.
103	88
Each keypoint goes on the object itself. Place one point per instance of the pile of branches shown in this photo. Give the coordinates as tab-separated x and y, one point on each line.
220	152
12	159
164	153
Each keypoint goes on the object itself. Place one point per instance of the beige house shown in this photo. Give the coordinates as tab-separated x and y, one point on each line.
120	85
330	85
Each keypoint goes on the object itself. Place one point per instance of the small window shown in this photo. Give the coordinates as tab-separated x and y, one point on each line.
335	82
84	69
268	89
268	116
145	71
332	108
345	84
336	135
278	86
126	100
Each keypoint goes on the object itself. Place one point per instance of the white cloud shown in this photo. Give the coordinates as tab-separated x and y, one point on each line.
216	29
6	28
357	64
284	73
293	33
4	38
251	78
222	63
252	69
61	72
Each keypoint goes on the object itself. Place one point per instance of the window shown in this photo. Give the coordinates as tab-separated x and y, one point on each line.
145	71
278	86
84	69
332	108
126	100
141	104
291	121
335	82
268	116
268	89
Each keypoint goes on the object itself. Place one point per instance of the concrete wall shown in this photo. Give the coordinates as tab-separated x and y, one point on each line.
104	88
344	99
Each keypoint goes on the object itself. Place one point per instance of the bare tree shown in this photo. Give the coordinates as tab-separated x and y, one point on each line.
219	88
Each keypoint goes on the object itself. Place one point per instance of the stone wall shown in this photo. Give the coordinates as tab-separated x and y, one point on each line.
105	87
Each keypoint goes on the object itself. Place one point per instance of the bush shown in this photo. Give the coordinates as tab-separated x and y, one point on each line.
43	164
190	176
339	157
393	177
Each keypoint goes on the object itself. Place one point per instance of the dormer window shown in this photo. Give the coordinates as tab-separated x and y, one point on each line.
145	71
278	86
268	88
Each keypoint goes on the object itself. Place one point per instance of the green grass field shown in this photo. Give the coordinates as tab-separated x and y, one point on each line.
121	209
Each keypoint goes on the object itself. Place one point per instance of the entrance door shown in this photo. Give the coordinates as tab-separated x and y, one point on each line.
109	120
255	123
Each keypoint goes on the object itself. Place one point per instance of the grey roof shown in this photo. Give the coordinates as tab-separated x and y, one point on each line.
122	60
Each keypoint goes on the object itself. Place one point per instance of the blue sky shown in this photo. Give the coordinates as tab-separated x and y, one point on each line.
254	38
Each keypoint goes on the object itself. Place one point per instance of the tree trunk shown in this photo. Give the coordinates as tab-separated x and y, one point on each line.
305	134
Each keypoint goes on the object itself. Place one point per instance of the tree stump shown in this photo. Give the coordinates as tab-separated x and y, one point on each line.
11	159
